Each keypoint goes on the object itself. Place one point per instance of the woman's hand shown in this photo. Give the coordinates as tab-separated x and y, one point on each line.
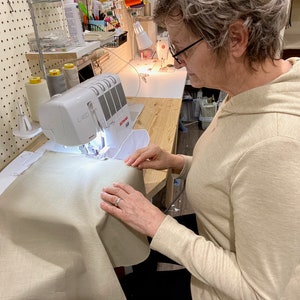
130	206
153	157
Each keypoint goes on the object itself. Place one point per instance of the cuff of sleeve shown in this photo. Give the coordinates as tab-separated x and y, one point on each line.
159	240
168	235
186	167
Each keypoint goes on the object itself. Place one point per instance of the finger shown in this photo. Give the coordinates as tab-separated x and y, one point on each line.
128	189
116	190
141	156
135	162
114	211
132	158
117	202
111	199
149	164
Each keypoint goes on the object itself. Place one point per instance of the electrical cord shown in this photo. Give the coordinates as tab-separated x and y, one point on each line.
140	76
191	123
176	198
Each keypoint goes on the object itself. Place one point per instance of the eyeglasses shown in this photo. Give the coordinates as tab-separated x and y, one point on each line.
176	54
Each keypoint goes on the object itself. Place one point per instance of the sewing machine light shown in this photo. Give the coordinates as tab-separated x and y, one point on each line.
96	148
142	38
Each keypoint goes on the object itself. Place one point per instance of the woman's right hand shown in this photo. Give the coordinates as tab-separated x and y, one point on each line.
153	157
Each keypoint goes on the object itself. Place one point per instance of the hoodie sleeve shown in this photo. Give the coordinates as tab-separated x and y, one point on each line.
186	167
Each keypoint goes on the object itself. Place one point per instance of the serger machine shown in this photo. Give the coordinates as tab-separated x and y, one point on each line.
94	107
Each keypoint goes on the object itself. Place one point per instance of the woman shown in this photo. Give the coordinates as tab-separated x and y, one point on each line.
243	180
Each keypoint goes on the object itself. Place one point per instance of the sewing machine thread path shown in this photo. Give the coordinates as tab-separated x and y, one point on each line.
77	116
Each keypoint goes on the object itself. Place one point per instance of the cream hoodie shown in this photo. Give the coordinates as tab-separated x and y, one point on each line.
243	182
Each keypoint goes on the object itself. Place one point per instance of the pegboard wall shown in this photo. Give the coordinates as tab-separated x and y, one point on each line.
15	24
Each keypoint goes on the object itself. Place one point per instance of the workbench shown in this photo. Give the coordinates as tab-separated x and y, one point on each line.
160	118
105	237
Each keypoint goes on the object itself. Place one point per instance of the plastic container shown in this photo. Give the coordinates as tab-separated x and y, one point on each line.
74	22
208	111
97	25
37	93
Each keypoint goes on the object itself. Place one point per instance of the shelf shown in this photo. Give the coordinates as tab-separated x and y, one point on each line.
74	53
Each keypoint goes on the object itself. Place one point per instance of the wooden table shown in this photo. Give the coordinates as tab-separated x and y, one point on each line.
160	118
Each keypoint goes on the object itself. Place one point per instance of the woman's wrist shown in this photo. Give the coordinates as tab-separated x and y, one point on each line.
177	163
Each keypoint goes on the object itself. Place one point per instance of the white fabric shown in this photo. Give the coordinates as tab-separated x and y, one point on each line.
55	242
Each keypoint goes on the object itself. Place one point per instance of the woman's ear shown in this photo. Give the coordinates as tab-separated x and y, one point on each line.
238	38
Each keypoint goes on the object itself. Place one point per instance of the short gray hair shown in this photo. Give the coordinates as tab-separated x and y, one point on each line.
211	19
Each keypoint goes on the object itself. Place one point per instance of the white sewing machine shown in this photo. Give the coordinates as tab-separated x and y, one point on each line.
97	106
162	48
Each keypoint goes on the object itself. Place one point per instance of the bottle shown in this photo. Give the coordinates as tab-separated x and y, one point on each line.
37	93
56	82
71	75
74	22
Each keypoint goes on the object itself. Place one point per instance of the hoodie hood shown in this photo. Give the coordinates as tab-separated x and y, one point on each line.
282	95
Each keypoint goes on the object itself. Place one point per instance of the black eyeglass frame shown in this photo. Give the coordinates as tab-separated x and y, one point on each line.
176	54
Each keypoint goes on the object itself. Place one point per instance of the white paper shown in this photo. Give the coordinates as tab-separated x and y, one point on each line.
137	139
17	167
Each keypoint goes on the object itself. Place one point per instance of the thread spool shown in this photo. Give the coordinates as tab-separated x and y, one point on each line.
37	93
71	75
56	82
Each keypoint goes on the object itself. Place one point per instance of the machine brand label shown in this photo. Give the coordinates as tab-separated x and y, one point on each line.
123	121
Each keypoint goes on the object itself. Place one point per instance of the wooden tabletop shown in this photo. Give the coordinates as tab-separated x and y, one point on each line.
160	118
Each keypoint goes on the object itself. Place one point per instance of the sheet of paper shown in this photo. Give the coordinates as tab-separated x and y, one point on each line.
137	139
17	167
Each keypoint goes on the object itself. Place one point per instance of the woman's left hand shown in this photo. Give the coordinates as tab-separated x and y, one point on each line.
130	206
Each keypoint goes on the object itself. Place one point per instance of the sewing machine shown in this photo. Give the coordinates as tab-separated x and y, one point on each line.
162	48
96	108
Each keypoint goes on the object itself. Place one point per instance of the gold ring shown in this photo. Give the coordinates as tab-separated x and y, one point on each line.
117	201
